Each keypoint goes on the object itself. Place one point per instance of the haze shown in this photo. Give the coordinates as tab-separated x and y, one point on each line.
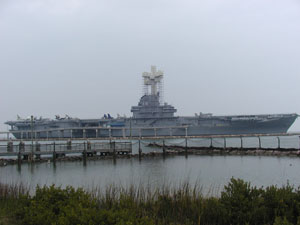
85	58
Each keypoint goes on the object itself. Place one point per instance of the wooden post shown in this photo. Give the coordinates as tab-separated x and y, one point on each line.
37	149
225	143
10	146
84	153
241	142
31	136
114	148
164	149
19	153
278	138
54	153
140	150
19	158
21	146
69	145
88	145
211	142
186	145
259	142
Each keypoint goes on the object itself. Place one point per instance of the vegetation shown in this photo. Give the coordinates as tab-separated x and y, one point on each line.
239	203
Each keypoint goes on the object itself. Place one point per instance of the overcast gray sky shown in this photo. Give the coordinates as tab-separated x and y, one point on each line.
85	58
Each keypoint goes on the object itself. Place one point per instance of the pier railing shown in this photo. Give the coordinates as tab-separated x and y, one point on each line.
36	150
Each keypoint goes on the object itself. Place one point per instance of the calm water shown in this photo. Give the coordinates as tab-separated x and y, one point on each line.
212	172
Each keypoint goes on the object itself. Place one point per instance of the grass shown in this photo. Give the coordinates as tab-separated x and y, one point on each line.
239	203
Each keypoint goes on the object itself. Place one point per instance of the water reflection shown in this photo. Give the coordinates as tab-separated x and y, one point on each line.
209	171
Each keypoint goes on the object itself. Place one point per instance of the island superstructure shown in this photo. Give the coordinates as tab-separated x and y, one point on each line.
151	117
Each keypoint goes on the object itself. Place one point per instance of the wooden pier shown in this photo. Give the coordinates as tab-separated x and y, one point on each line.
34	148
33	151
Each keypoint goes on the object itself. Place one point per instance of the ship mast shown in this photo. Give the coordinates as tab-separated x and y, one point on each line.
154	80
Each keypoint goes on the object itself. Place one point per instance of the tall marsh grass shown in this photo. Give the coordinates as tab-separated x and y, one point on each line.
239	203
13	191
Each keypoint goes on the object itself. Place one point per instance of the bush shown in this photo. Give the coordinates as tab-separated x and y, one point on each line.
60	206
282	203
239	203
242	203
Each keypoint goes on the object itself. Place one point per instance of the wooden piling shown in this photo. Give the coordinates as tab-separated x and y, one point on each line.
10	146
21	146
259	142
164	149
54	153
278	138
37	149
225	143
211	142
140	150
69	145
241	142
114	149
84	152
26	157
19	158
186	145
89	146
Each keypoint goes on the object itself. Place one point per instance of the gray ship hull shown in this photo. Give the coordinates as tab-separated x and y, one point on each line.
209	126
151	117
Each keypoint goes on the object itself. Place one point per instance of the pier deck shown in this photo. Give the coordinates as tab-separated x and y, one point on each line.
61	149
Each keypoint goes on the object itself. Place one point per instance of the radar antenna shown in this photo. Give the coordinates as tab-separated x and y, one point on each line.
154	80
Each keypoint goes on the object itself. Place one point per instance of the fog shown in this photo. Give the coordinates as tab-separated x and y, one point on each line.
85	58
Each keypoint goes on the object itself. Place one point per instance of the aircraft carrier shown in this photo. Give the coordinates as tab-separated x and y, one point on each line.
151	117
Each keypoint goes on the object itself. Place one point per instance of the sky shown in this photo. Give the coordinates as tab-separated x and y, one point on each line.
85	58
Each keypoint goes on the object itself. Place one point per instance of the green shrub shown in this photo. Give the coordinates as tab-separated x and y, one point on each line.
239	203
280	221
242	203
213	212
59	206
282	203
